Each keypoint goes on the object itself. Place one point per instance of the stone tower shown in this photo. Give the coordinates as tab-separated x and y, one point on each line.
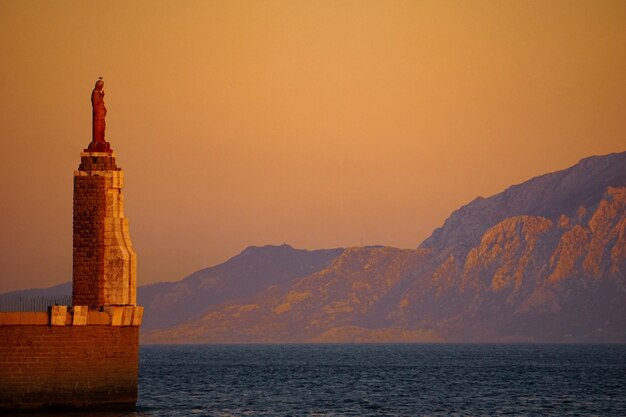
83	356
105	263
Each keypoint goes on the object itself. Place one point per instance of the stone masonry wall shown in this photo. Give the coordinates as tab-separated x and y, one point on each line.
105	263
68	366
120	260
89	215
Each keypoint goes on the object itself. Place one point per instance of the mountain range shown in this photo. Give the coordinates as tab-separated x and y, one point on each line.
542	261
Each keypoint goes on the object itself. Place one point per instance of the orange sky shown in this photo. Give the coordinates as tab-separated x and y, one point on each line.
316	123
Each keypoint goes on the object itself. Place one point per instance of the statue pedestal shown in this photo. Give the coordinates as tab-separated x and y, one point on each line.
105	262
99	147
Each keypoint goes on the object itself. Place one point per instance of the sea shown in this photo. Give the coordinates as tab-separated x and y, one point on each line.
381	380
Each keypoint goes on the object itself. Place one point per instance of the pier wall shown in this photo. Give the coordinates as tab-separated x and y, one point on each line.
64	360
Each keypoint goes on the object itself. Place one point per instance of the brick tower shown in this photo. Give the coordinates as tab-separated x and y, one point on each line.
105	263
84	356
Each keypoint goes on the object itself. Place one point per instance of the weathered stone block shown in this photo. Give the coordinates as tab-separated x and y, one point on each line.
137	316
127	315
58	315
79	316
116	314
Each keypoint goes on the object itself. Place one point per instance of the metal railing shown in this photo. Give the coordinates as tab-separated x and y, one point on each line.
20	303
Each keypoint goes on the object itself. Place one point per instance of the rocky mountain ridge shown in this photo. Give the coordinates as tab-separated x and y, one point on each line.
253	270
550	195
544	260
531	278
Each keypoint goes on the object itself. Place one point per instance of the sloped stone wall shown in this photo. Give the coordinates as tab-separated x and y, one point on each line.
105	262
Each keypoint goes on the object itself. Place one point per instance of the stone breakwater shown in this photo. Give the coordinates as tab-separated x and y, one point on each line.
69	359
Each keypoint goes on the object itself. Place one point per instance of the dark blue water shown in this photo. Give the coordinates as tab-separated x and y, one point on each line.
382	380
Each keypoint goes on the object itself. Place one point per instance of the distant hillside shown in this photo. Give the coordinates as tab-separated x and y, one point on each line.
253	270
550	196
36	299
60	289
344	294
542	261
530	278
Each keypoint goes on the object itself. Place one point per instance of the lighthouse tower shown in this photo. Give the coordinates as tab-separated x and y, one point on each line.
83	356
105	263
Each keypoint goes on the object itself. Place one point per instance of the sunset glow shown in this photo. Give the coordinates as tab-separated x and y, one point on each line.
316	123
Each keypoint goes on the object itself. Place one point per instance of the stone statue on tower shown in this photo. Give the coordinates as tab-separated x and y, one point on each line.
104	260
98	144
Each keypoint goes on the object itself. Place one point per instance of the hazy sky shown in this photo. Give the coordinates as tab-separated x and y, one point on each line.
315	123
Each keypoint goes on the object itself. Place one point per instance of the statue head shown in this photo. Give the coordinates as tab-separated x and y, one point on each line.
99	84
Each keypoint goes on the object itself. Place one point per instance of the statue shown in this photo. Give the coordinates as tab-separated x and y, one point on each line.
98	144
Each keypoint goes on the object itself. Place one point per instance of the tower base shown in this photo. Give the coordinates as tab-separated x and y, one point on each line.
88	362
